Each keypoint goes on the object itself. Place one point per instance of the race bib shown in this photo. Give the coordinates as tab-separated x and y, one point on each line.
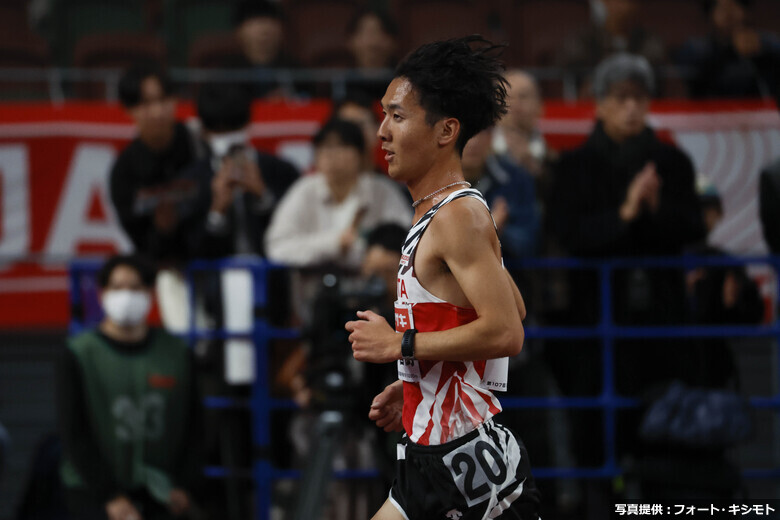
404	318
484	465
496	374
409	370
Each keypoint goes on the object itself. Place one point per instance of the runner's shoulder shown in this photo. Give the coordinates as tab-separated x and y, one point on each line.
466	214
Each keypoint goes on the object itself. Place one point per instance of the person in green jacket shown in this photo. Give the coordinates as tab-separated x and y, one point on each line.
130	415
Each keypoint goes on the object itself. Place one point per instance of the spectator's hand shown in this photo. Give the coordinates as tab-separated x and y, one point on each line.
387	408
165	216
652	191
731	290
178	502
373	339
251	178
500	211
222	186
643	190
692	278
347	238
350	235
747	42
121	508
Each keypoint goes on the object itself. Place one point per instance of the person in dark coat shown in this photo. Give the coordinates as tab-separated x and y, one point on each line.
145	183
734	60
239	186
623	193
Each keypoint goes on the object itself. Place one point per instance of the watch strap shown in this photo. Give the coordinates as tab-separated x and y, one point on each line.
407	344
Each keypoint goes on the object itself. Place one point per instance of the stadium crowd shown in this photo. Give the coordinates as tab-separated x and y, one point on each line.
187	190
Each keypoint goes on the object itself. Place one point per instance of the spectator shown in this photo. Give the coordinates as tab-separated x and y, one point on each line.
624	193
735	60
147	190
620	30
769	200
357	107
517	135
239	186
372	41
130	415
323	217
259	29
719	295
668	468
509	191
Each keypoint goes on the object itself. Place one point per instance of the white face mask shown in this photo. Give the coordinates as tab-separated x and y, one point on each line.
126	307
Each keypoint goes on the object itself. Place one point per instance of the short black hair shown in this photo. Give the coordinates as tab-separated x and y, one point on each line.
142	266
133	77
385	20
355	97
248	9
460	78
709	5
348	132
388	236
224	107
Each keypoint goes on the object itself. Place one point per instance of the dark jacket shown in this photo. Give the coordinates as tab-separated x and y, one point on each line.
207	242
590	184
719	71
769	198
139	179
513	183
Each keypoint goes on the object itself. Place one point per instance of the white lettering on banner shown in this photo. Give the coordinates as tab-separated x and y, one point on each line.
15	204
87	177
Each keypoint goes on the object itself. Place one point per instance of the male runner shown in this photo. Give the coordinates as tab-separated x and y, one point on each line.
458	309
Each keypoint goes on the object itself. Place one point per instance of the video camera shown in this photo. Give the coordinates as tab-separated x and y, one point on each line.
334	377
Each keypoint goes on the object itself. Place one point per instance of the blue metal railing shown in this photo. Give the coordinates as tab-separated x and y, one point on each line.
262	404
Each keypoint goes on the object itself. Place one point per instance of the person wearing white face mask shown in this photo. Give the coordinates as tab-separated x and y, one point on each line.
130	416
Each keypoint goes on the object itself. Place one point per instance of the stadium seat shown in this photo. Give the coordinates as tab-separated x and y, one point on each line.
214	51
114	51
674	21
536	29
317	30
13	18
766	15
78	18
21	50
187	20
429	20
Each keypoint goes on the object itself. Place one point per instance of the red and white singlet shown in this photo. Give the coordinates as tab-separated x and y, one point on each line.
443	400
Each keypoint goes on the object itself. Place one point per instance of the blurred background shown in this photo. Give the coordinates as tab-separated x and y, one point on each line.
207	136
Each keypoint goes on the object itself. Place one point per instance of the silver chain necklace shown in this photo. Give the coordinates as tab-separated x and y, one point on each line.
420	201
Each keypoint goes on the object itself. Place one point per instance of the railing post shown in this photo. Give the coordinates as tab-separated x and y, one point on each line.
608	365
261	398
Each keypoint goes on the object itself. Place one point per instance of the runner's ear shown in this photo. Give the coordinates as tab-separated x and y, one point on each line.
449	129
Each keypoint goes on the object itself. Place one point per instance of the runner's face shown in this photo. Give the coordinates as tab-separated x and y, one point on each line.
408	140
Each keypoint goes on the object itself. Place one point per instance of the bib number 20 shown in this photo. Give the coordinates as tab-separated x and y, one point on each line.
472	471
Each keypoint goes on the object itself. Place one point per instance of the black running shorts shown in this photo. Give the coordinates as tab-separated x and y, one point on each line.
483	475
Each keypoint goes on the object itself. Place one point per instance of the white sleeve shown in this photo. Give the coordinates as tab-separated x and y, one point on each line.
293	237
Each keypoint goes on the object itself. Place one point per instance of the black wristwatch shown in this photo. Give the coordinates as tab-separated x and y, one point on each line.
407	344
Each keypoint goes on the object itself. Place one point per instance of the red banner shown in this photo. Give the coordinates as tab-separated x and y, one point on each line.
55	160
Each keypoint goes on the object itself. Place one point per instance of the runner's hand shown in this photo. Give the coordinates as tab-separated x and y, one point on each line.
372	338
387	408
121	508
